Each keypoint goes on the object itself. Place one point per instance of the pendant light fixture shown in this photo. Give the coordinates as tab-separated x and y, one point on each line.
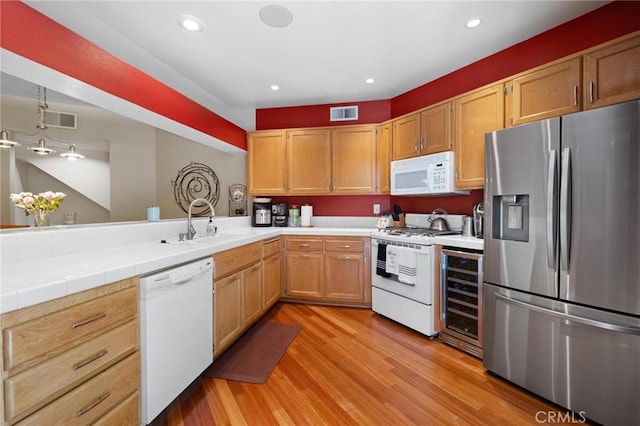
41	148
5	141
72	154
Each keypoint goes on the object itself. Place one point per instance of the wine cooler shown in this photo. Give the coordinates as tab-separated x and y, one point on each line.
461	299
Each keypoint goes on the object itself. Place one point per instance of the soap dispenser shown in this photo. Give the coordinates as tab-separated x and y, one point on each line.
211	228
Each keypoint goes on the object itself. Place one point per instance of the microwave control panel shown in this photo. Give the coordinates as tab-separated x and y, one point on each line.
439	176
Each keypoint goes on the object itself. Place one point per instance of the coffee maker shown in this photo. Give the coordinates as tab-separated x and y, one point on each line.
478	220
280	214
261	212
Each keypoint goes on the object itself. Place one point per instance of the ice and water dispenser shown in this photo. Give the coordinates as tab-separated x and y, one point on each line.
510	219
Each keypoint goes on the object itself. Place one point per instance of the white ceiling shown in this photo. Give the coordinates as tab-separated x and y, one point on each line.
324	56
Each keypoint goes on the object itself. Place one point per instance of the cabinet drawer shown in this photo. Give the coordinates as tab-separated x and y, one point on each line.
24	391
91	400
356	246
126	413
304	245
51	333
235	259
269	248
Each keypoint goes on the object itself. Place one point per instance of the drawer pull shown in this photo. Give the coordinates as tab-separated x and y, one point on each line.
89	320
90	359
344	257
345	246
93	404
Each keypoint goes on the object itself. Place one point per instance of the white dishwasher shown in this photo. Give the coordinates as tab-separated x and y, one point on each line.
176	332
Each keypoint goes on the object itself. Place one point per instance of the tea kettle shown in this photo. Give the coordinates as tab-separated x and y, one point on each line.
438	223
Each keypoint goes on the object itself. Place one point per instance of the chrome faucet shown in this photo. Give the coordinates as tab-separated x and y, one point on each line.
191	232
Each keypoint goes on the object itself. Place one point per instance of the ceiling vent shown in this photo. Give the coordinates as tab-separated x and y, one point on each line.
344	113
62	120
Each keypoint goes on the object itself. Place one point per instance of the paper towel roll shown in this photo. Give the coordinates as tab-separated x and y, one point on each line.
305	215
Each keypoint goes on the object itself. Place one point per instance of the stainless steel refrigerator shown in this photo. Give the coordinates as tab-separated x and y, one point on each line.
562	261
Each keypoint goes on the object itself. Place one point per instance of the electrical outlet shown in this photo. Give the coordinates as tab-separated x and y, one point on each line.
376	209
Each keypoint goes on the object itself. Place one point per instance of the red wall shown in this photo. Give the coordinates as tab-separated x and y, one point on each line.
318	115
606	23
32	35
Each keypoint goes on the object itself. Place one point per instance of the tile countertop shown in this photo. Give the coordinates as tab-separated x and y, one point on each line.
43	265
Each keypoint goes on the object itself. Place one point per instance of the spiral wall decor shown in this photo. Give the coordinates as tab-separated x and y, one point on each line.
194	181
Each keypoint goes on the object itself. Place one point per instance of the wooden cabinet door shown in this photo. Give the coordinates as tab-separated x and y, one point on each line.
251	294
612	74
345	277
477	113
305	275
384	155
271	280
309	161
550	92
353	160
435	129
406	132
227	311
266	163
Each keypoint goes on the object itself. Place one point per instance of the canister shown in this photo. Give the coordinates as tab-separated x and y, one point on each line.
294	216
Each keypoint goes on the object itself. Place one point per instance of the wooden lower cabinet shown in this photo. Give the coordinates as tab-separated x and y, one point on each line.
74	359
252	294
271	273
305	275
344	279
246	283
331	270
227	311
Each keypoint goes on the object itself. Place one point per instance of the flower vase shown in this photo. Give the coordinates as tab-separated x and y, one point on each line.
41	218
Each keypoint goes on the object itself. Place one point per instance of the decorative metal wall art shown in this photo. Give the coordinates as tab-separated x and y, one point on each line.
237	200
196	180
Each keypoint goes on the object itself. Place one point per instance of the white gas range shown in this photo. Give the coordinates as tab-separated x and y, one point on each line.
403	276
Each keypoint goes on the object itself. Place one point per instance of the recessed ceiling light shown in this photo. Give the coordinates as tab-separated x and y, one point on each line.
276	16
473	22
370	80
275	87
190	23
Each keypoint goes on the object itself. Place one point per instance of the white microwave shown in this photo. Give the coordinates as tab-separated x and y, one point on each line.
425	175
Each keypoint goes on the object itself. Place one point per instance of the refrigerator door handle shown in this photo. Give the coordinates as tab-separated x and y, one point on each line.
586	321
565	209
552	184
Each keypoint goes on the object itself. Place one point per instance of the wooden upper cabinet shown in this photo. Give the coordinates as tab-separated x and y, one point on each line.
384	135
266	162
548	92
426	132
354	160
309	161
612	74
406	132
477	113
435	129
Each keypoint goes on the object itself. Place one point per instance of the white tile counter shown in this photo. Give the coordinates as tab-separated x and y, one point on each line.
43	264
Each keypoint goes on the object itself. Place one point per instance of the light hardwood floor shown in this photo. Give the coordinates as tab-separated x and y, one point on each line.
350	366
